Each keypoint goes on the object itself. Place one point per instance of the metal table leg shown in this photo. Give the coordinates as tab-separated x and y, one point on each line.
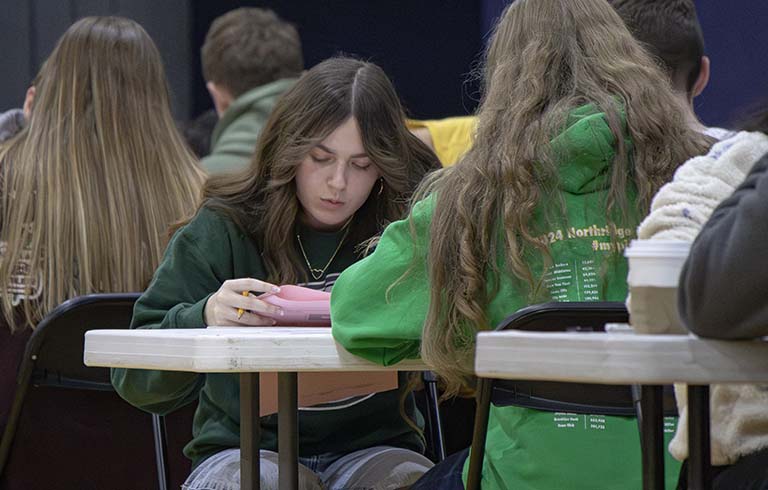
250	432
288	431
652	436
699	463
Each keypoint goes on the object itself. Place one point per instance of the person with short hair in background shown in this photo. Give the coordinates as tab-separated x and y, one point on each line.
670	30
250	57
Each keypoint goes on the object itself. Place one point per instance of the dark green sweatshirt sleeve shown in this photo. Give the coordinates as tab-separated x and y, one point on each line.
175	298
723	284
379	304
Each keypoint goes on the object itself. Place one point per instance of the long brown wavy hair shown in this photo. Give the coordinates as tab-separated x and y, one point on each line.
91	185
262	199
546	58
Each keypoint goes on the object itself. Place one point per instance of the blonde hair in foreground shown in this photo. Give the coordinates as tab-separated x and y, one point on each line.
546	58
91	186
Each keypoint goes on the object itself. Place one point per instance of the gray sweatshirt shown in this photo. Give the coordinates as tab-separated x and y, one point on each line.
724	285
11	122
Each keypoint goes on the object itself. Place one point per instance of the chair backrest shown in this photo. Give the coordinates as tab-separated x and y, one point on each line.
565	397
55	351
550	396
66	417
566	316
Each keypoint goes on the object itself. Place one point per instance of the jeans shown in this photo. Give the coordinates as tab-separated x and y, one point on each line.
376	468
445	475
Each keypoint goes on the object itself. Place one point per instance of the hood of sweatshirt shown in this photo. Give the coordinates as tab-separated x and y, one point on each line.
259	99
585	150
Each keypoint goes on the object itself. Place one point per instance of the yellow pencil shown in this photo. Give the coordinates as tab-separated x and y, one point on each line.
240	311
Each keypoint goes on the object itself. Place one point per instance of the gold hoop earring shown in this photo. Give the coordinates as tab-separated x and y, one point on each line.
381	186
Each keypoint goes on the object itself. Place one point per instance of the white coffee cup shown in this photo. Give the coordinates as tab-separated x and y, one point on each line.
654	272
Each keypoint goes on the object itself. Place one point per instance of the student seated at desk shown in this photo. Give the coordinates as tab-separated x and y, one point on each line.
92	182
678	212
333	165
577	130
722	295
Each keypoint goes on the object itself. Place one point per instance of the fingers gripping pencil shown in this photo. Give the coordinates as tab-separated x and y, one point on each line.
240	311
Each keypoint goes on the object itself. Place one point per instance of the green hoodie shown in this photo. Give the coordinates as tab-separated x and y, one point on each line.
525	449
234	137
199	258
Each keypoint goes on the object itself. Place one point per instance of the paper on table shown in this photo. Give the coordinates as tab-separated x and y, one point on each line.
322	387
317	388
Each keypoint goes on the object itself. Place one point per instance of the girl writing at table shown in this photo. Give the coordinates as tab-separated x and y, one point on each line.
577	129
334	164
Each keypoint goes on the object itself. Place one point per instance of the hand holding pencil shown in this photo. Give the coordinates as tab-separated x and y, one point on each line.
237	303
247	294
240	311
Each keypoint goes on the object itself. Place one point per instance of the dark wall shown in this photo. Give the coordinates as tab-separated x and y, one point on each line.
426	46
29	30
736	37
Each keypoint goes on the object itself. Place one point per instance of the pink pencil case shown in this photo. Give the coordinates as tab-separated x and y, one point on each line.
302	306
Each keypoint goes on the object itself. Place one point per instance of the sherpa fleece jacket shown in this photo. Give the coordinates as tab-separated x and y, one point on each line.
678	212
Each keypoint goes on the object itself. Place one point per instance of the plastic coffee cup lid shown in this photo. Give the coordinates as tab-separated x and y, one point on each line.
658	248
656	263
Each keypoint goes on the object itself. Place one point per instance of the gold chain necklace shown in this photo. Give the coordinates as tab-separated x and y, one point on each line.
315	272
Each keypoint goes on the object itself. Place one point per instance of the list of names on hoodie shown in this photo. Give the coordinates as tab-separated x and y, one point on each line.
575	280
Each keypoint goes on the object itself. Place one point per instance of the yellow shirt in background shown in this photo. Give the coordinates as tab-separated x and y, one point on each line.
450	137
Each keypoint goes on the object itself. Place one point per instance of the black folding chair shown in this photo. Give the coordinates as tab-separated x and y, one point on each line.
433	416
588	399
67	428
172	432
168	442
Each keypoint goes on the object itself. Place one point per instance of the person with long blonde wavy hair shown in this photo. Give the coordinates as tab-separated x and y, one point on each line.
90	187
577	130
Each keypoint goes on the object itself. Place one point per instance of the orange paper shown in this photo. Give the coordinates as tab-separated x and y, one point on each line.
318	388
